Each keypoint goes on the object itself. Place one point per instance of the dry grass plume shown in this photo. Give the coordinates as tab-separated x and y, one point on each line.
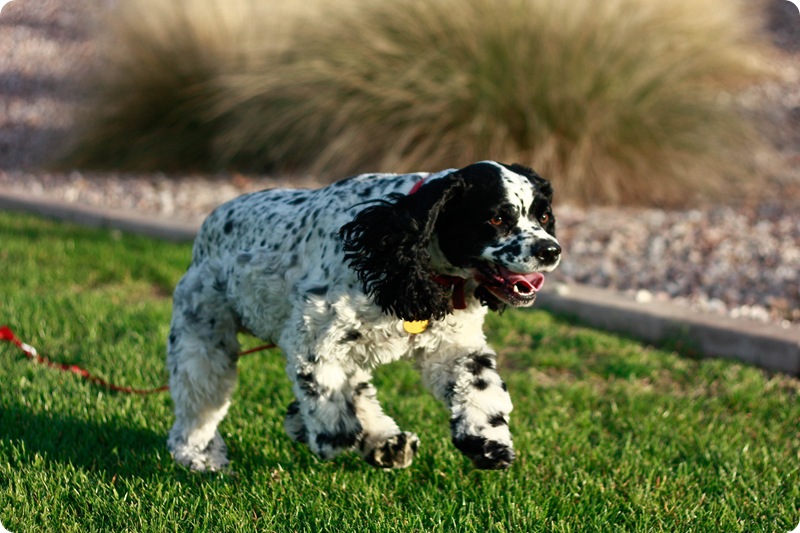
618	101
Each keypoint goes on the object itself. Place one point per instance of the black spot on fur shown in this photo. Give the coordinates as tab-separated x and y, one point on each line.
351	336
498	420
512	249
469	445
305	381
361	388
485	454
220	284
480	384
478	362
228	227
541	185
318	291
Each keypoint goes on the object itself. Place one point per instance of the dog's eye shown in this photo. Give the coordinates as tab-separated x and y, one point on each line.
544	218
496	220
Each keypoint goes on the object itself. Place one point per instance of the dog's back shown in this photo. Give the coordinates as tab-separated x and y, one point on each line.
291	219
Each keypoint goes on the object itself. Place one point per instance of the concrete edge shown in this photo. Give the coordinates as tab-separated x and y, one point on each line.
767	346
99	217
764	345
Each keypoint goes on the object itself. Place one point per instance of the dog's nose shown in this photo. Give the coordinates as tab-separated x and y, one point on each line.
547	252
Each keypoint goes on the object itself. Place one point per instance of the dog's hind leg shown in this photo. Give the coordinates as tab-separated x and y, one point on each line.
202	352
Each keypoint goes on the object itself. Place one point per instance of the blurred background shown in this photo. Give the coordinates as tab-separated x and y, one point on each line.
670	129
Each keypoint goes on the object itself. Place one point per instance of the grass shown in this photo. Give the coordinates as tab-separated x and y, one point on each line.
620	101
610	434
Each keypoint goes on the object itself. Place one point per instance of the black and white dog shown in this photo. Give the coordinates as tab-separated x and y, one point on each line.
365	271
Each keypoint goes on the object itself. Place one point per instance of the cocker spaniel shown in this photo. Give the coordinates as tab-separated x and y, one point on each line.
368	270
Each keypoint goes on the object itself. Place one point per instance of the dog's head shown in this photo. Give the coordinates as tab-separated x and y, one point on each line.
488	224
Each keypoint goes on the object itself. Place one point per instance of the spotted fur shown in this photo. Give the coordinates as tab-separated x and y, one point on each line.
330	275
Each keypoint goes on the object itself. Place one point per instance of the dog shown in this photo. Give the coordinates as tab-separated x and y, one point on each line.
368	270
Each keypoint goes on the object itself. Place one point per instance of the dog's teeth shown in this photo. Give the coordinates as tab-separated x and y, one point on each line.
523	289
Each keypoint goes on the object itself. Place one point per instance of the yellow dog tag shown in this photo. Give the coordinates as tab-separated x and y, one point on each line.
415	326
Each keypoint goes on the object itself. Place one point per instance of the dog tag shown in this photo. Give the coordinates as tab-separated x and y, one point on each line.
415	327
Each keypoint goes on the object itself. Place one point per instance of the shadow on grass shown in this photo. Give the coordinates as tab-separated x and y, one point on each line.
110	447
116	448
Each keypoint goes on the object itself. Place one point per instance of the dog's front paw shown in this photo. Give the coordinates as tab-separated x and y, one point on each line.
485	454
397	451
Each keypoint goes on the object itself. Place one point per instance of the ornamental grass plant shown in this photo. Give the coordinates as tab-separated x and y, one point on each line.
619	101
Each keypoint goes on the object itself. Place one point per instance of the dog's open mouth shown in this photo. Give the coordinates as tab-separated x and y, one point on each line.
513	288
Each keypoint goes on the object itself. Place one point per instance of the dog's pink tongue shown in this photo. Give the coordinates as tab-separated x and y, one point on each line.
525	283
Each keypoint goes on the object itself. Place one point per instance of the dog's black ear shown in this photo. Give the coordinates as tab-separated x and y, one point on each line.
387	245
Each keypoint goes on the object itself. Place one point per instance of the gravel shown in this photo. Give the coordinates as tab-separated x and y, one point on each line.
740	258
720	259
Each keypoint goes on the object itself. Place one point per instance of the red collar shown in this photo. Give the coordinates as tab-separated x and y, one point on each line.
454	282
416	187
459	296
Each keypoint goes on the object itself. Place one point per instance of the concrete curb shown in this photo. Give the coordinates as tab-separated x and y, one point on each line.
100	217
764	345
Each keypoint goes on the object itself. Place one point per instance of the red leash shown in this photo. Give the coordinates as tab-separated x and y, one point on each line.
30	352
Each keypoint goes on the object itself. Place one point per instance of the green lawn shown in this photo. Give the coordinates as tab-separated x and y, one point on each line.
610	435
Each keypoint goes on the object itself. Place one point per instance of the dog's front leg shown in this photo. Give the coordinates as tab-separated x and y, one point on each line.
382	443
479	404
